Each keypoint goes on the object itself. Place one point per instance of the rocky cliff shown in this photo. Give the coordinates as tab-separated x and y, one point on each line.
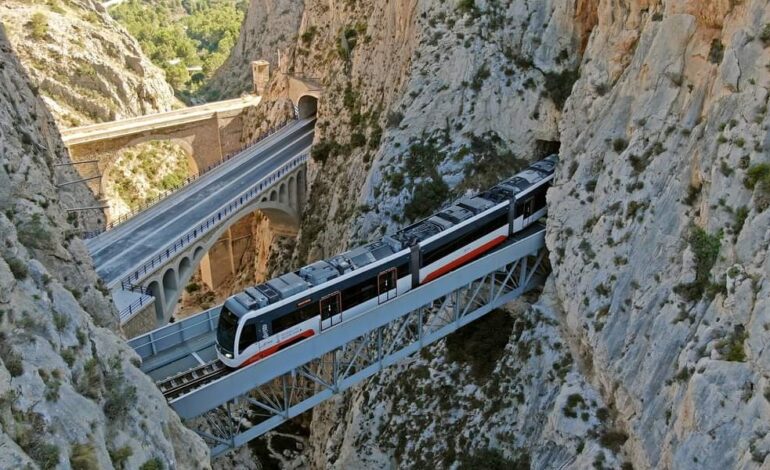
659	228
268	33
655	317
70	391
86	67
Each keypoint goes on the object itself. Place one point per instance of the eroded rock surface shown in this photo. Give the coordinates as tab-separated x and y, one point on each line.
86	67
70	390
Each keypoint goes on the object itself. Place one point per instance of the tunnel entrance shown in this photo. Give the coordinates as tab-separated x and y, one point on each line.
544	148
307	106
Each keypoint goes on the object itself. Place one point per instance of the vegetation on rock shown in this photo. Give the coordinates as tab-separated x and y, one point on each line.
188	39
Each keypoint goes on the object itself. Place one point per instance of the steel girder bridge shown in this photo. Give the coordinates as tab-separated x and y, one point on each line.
228	408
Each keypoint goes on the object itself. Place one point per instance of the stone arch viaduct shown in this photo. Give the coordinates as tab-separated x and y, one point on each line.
147	260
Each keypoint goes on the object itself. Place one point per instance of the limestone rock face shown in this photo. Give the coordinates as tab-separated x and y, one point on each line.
657	139
86	67
70	391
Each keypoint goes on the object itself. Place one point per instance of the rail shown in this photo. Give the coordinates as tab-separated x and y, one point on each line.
213	221
189	380
187	181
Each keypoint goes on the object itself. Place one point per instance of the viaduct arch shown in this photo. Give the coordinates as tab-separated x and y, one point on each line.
216	253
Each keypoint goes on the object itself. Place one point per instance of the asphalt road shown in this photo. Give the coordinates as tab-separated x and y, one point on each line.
120	251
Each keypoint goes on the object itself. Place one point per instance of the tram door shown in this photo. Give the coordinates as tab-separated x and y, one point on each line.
386	285
330	310
529	208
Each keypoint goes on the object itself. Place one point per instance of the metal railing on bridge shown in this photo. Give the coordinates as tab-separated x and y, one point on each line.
246	403
187	181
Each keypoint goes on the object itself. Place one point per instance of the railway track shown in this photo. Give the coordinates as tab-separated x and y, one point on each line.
184	382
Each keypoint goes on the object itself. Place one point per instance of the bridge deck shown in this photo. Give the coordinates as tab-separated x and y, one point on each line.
111	130
177	340
117	252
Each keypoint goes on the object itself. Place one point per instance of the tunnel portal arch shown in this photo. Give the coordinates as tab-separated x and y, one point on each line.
307	106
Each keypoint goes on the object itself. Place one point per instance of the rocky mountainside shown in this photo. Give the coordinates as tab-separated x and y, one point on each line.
658	226
86	67
71	394
268	33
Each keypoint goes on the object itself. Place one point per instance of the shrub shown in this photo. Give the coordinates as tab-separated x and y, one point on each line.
18	268
427	197
619	144
478	79
705	248
120	455
39	26
192	287
324	149
83	457
357	139
394	118
30	437
60	321
717	52
559	85
481	344
307	36
732	347
758	177
493	459
466	6
154	463
120	396
764	35
613	440
741	214
757	174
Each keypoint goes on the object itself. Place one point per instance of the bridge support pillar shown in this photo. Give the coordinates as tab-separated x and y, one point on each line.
207	145
217	265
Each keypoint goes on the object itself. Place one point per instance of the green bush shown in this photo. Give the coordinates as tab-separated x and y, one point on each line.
120	397
18	268
717	52
481	344
467	6
428	196
613	440
83	457
30	437
39	26
705	248
394	118
478	78
559	85
120	455
154	463
493	459
324	149
619	144
758	177
357	139
764	35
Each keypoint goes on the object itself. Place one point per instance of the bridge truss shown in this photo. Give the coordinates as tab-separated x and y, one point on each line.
231	411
